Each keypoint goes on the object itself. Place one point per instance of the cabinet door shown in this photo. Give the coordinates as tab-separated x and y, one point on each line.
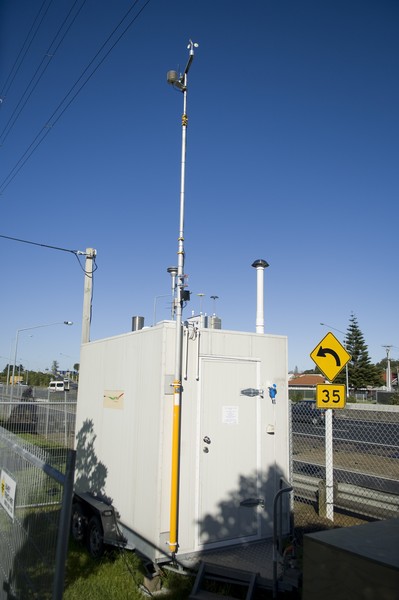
228	452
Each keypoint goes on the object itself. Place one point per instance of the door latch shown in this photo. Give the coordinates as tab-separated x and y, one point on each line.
252	392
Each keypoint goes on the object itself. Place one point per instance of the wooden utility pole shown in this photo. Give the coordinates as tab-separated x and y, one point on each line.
87	294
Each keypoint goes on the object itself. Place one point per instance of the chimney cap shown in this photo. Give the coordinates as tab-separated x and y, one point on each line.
260	263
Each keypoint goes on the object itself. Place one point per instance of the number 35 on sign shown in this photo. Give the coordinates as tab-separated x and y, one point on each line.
329	395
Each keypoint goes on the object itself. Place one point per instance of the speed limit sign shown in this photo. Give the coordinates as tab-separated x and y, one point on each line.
329	395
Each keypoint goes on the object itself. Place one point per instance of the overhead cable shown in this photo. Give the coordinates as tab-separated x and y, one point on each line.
60	110
47	58
7	237
77	253
19	60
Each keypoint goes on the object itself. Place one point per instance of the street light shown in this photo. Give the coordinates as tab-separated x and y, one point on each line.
71	363
179	82
214	298
346	366
388	371
22	362
16	346
201	297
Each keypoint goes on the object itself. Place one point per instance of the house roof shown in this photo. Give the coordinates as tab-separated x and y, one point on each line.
307	380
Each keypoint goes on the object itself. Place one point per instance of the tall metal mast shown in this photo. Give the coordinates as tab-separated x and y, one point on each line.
180	83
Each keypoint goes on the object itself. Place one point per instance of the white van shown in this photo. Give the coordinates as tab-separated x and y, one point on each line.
59	386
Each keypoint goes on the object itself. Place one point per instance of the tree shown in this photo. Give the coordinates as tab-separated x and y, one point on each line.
315	371
39	379
362	372
54	367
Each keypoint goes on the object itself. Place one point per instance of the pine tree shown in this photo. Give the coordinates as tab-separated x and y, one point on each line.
54	368
362	372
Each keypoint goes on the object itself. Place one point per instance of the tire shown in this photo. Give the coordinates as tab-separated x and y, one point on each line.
95	538
78	522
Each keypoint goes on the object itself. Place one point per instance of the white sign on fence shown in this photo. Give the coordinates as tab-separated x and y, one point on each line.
7	495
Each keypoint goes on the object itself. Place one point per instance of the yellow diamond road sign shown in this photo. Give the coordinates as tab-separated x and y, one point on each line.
330	356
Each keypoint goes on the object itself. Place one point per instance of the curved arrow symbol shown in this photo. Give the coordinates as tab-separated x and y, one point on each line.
324	351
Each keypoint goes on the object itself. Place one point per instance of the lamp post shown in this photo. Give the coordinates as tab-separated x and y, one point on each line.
6	359
346	366
22	369
388	371
201	297
179	82
8	370
214	298
16	346
70	369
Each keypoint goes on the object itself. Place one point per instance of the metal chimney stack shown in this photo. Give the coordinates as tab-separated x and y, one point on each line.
260	266
137	323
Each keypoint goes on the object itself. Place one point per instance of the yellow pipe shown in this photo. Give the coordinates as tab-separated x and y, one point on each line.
174	492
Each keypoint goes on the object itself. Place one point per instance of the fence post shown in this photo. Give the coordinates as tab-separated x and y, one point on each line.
64	527
65	419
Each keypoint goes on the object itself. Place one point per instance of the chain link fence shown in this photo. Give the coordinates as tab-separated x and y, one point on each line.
36	470
351	480
39	412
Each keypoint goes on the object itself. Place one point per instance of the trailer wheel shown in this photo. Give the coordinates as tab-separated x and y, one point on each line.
78	522
95	538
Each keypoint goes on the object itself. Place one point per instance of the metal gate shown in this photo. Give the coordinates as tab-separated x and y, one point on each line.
35	498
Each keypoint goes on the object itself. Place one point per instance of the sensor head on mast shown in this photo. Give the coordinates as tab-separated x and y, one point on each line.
174	79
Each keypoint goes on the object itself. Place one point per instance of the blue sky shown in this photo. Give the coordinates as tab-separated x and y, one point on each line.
292	156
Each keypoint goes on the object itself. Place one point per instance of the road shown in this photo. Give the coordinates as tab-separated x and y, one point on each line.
363	433
365	450
372	482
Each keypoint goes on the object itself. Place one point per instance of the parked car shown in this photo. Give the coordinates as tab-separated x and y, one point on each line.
305	411
59	385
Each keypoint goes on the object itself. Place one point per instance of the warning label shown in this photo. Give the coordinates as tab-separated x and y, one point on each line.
7	495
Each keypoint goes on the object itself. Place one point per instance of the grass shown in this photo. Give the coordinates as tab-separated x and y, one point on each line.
118	575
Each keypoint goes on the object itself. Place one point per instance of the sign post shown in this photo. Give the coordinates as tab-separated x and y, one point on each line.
331	357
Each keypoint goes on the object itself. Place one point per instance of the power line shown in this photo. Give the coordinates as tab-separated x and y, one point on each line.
48	56
6	89
77	253
7	237
48	126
